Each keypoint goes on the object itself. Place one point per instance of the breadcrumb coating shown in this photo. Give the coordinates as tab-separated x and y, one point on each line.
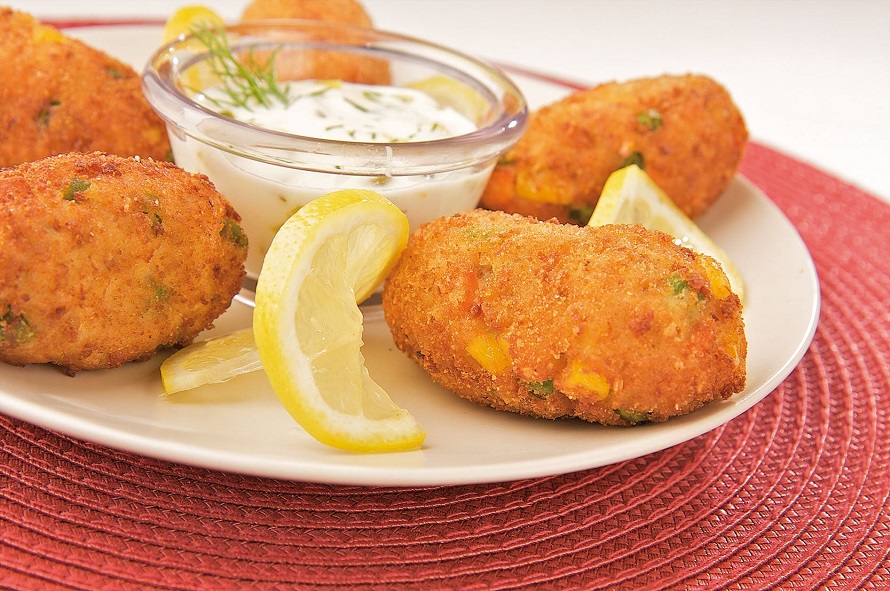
105	259
684	131
614	325
349	12
59	95
323	65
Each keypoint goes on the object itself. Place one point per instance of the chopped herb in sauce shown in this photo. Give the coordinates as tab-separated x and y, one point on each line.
352	112
355	104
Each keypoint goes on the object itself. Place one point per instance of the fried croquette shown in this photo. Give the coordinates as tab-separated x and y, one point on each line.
59	95
348	12
304	64
105	259
613	324
685	131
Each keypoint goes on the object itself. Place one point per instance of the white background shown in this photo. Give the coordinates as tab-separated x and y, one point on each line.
812	77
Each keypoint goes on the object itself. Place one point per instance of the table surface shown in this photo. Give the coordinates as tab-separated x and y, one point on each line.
811	77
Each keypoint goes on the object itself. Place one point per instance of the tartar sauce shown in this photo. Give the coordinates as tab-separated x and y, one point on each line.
336	110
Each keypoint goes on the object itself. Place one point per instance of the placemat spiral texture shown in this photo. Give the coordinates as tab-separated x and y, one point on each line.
792	494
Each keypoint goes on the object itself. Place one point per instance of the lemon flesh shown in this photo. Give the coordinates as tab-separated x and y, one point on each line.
187	18
210	362
448	92
183	22
331	254
630	196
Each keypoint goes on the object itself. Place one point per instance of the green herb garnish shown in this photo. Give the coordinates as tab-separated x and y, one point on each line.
159	293
232	232
247	82
541	389
115	73
355	105
77	185
678	284
474	234
632	416
651	119
151	208
327	85
371	96
14	328
45	113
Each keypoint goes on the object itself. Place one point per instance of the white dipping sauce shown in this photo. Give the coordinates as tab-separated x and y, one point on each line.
266	195
337	110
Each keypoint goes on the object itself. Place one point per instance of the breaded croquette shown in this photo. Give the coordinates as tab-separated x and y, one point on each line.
105	259
349	12
685	131
613	324
302	64
59	95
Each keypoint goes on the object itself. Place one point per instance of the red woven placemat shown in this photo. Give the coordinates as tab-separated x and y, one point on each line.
795	493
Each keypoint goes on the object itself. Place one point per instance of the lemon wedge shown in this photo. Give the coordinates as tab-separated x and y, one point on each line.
211	361
449	92
183	22
185	19
331	254
630	196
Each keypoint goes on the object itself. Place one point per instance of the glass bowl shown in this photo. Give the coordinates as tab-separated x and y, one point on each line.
267	174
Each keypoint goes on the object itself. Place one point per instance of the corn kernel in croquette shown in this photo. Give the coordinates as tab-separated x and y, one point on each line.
614	324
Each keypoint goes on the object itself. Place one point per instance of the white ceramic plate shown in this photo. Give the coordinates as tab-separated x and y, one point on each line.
240	426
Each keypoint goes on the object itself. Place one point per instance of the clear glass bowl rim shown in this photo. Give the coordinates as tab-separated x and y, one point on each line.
193	119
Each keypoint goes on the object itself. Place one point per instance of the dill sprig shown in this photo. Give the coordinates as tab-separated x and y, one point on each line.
247	82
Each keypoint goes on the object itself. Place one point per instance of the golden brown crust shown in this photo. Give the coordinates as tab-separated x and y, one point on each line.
104	259
338	11
607	324
59	95
327	65
689	133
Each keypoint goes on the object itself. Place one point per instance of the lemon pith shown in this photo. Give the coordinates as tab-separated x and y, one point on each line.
630	196
328	256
